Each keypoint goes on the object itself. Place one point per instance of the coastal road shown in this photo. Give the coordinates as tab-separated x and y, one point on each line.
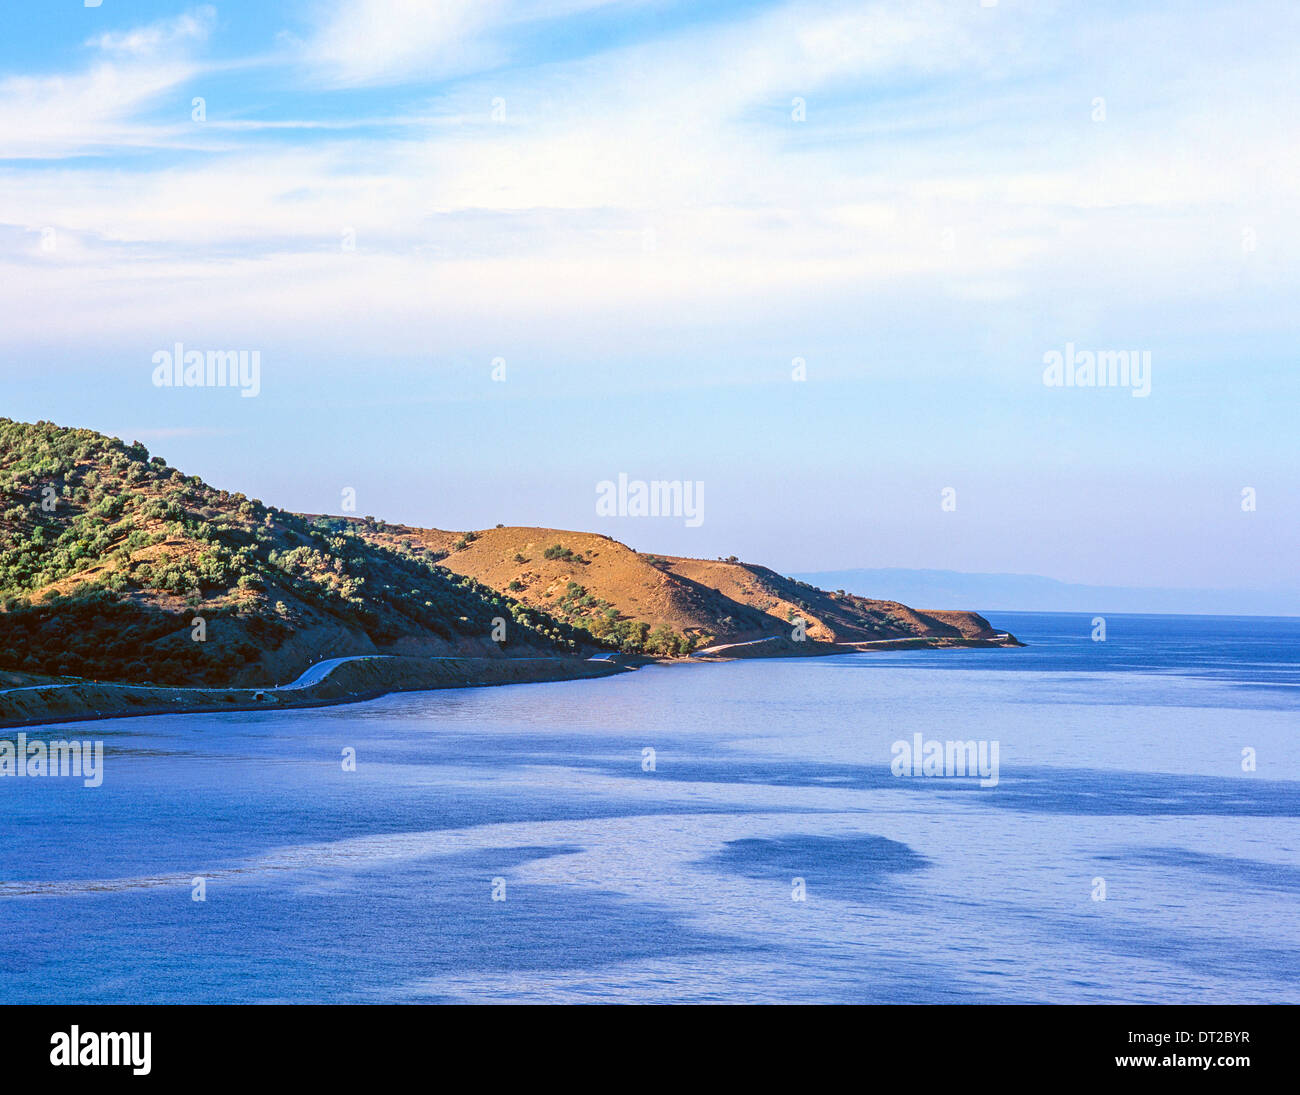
31	688
313	674
732	646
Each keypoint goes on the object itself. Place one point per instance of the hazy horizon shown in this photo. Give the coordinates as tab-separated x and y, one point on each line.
984	593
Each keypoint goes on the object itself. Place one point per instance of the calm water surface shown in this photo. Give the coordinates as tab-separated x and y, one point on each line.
1119	762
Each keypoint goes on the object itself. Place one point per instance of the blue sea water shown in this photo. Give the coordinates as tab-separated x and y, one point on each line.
1120	764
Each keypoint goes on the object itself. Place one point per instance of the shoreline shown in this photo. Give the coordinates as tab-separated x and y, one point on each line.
352	680
366	677
778	646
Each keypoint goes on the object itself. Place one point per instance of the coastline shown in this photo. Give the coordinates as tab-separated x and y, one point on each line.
353	680
367	677
778	646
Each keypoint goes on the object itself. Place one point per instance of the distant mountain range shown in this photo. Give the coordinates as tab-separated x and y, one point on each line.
1034	593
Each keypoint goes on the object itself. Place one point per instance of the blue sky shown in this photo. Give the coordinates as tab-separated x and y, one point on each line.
649	210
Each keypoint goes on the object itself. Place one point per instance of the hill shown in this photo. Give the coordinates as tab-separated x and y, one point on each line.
666	604
115	566
837	617
596	584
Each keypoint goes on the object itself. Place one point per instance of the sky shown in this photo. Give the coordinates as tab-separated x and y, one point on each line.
815	257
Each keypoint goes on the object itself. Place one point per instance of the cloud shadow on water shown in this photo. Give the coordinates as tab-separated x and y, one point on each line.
1233	873
326	935
856	868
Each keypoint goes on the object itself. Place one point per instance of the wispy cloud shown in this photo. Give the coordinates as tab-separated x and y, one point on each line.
944	149
149	41
368	42
100	107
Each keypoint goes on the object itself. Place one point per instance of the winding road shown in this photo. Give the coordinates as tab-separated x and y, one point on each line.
313	674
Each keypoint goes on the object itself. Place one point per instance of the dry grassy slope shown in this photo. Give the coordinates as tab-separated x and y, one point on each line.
608	570
971	624
832	617
712	600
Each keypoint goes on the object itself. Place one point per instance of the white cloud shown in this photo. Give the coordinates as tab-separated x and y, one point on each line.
57	116
150	40
544	217
49	117
363	42
380	41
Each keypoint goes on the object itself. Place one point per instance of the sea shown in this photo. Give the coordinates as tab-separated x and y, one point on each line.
755	831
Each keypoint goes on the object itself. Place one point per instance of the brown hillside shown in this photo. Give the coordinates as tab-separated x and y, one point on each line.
832	617
971	624
614	582
590	581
